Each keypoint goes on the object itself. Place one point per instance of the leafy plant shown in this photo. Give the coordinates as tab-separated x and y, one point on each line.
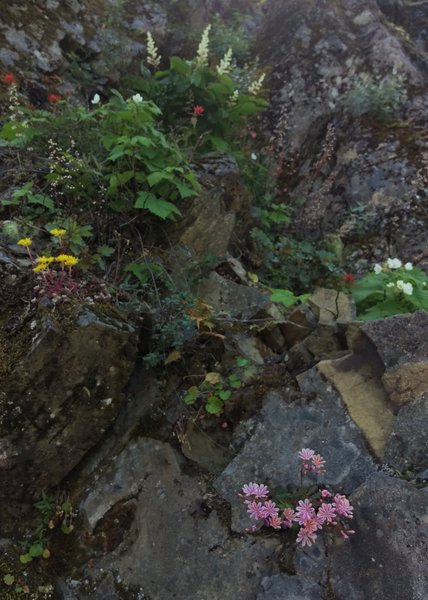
379	97
200	102
389	290
215	389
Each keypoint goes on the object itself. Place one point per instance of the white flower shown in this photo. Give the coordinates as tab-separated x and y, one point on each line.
137	98
408	266
377	269
253	156
390	285
96	99
394	263
406	288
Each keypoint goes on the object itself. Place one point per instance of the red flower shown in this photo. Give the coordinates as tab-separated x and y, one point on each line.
198	110
54	98
8	79
349	278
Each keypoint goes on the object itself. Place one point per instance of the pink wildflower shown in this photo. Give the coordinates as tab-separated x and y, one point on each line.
270	509
318	464
305	537
306	454
198	110
326	513
343	506
304	512
325	494
275	522
256	489
256	510
54	98
289	515
312	525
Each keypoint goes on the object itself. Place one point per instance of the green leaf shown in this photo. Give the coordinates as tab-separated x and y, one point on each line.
185	191
234	381
191	395
419	298
66	529
157	176
179	66
105	250
36	550
284	297
9	579
370	285
140	272
214	405
387	308
158	207
25	558
42	200
242	362
224	394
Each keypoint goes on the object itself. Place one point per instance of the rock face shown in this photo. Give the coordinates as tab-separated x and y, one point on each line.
174	534
384	558
402	345
60	396
269	455
363	178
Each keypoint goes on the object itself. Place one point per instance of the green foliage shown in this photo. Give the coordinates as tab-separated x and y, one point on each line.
230	35
216	389
287	298
186	84
390	292
378	97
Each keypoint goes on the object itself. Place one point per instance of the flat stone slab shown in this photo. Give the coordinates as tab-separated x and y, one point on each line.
277	434
386	557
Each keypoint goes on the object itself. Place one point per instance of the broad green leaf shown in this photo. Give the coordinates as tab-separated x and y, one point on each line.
36	550
157	176
191	395
179	66
9	579
158	207
214	405
224	394
284	297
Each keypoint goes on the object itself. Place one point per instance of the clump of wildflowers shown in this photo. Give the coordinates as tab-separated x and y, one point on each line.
312	512
390	288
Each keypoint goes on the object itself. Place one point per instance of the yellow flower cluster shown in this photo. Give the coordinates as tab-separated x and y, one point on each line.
57	232
67	260
26	242
43	262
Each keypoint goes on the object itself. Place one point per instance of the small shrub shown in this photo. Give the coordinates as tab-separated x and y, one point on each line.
378	97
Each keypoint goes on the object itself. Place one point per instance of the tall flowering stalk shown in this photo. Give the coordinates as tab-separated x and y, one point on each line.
153	56
224	67
255	87
318	510
203	48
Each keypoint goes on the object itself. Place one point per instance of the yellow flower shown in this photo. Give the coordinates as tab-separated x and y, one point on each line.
57	232
41	267
45	260
25	242
67	260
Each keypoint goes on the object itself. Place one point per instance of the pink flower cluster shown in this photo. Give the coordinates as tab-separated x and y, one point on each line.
322	509
311	461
